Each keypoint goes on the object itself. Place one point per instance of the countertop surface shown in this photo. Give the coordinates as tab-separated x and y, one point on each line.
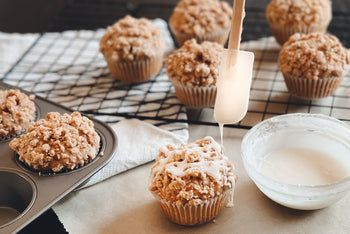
253	212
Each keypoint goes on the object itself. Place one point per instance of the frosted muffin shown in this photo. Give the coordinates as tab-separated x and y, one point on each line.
204	20
286	17
313	65
192	182
58	143
193	70
16	112
133	49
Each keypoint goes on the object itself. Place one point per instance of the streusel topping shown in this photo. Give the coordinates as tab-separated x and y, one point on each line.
192	173
299	13
16	112
313	56
131	39
58	142
199	17
195	64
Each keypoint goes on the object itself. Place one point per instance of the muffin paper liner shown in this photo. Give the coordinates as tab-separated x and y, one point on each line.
189	215
282	34
194	96
219	37
136	71
309	89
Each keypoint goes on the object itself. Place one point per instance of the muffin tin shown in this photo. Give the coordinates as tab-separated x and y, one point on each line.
25	194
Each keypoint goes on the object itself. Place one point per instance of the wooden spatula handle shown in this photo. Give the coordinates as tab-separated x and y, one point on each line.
236	24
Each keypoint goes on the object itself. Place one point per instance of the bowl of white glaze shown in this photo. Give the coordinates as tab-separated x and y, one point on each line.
300	161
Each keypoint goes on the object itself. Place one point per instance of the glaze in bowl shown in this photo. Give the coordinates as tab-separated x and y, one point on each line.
314	131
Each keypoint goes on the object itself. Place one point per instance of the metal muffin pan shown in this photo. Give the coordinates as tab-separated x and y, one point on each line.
25	194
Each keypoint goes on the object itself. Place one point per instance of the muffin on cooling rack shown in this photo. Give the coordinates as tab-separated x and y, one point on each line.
204	20
193	70
133	49
287	17
193	182
17	110
58	143
313	65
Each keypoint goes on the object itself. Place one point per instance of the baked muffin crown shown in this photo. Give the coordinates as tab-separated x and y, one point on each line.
192	173
195	64
199	17
16	112
58	142
131	39
299	13
313	56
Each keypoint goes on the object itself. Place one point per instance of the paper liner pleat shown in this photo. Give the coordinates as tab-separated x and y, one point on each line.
309	89
219	37
194	96
190	215
282	34
136	71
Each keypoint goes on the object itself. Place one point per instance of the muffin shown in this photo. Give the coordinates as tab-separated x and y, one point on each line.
193	70
192	182
133	49
313	65
57	143
16	112
286	17
204	20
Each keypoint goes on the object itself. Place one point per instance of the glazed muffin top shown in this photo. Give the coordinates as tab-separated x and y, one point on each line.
195	64
313	56
299	13
199	17
131	39
192	173
16	112
58	142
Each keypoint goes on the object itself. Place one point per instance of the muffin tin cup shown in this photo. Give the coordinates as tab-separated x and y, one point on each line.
190	215
305	88
219	37
136	71
193	96
25	193
18	193
282	34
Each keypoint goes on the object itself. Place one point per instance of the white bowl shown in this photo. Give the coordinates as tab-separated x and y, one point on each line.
314	131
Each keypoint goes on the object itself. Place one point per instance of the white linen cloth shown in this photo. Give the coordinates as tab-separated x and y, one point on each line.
138	143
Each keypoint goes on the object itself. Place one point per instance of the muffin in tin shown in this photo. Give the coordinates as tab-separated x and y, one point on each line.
57	143
133	49
17	111
204	20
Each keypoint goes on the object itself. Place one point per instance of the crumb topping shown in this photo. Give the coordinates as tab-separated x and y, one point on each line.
131	39
199	17
192	173
58	142
195	64
16	112
313	56
299	13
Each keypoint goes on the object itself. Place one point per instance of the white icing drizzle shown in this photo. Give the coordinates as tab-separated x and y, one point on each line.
211	162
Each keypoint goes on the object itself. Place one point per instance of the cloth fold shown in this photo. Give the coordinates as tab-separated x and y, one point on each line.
138	143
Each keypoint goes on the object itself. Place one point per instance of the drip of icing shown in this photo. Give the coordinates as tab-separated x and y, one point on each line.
209	165
221	127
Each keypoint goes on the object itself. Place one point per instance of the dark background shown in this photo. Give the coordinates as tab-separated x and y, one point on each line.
58	15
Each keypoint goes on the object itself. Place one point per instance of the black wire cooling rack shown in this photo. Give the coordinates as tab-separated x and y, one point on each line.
66	67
